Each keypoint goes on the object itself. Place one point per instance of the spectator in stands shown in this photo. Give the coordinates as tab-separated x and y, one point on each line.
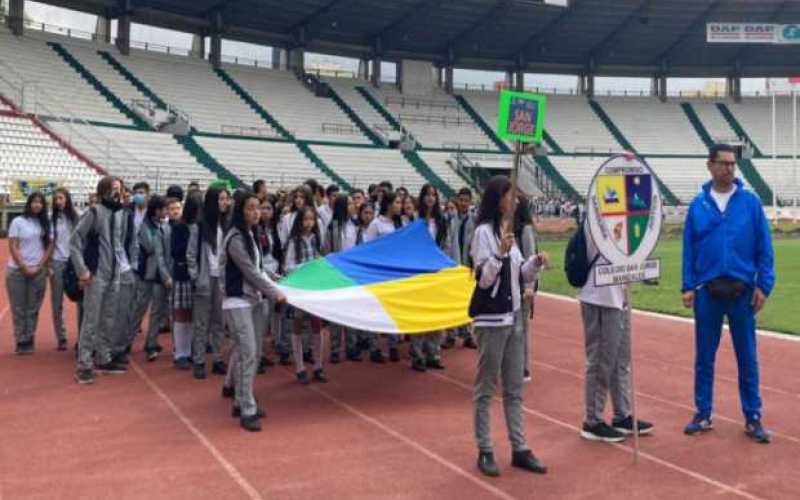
182	294
425	348
30	246
728	271
260	190
101	282
176	192
204	271
244	285
304	245
63	220
499	265
156	260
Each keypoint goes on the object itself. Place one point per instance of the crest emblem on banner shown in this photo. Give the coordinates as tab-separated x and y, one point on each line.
624	207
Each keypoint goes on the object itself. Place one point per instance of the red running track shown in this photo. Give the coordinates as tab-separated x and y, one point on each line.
384	431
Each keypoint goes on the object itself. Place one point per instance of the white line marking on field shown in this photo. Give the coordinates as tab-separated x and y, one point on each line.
4	312
416	445
248	488
677	468
649	314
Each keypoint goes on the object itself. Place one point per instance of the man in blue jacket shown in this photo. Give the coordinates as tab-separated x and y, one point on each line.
727	272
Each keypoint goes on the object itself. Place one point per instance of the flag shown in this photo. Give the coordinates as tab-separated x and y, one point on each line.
400	283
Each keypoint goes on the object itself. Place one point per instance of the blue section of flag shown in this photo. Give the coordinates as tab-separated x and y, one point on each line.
405	253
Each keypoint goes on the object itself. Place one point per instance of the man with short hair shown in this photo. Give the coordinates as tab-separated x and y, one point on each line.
728	272
193	187
358	198
176	192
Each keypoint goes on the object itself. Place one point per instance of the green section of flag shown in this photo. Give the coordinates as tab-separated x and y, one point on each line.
637	226
317	275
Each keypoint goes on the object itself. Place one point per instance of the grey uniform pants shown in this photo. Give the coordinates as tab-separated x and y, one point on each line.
260	318
125	315
143	296
240	323
100	302
427	346
207	324
500	351
57	299
25	296
159	312
608	362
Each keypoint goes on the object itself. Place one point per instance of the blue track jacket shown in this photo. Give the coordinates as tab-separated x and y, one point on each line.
735	244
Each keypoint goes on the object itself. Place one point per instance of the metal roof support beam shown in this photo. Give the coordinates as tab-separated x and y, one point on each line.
733	87
538	37
217	28
697	23
637	13
16	17
123	41
497	10
375	77
449	83
102	29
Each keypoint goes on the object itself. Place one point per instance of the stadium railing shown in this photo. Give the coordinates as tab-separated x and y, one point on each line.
339	129
250	131
444	120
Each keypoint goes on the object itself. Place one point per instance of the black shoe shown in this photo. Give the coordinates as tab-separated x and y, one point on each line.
262	367
487	465
625	426
84	376
228	392
394	355
526	376
62	345
601	432
319	376
302	377
377	357
219	368
152	355
418	365
182	363
527	461
469	343
25	348
199	371
123	358
308	357
284	360
209	349
436	364
164	329
112	368
354	356
334	358
267	362
250	424
236	412
448	343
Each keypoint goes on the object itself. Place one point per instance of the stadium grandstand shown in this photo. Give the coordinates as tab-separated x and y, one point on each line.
76	105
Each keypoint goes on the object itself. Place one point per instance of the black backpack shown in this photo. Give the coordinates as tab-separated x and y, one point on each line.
91	252
576	259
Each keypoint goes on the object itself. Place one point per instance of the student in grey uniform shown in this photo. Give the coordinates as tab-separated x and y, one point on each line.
108	221
64	219
525	236
270	264
138	209
608	362
202	257
389	220
244	283
496	308
342	235
182	293
153	246
26	271
462	227
426	348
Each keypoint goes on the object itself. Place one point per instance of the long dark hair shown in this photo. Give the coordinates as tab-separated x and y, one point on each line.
340	214
69	209
191	208
42	218
211	219
386	201
239	223
296	234
307	194
156	202
435	212
489	212
522	218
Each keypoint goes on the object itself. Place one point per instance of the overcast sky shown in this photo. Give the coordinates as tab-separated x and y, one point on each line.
85	22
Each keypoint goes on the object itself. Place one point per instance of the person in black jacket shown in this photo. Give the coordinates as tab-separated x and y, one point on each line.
182	284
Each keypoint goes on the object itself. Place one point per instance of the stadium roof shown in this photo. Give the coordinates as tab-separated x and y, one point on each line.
614	37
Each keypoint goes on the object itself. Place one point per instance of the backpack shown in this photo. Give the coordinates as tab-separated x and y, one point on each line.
576	259
91	256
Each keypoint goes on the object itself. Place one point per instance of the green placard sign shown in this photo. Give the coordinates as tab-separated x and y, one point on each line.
521	116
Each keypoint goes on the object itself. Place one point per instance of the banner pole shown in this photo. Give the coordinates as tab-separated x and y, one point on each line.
629	332
514	177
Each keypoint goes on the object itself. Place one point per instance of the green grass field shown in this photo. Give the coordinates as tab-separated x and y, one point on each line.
780	314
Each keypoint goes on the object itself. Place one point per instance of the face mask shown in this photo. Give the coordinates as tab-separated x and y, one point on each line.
138	199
